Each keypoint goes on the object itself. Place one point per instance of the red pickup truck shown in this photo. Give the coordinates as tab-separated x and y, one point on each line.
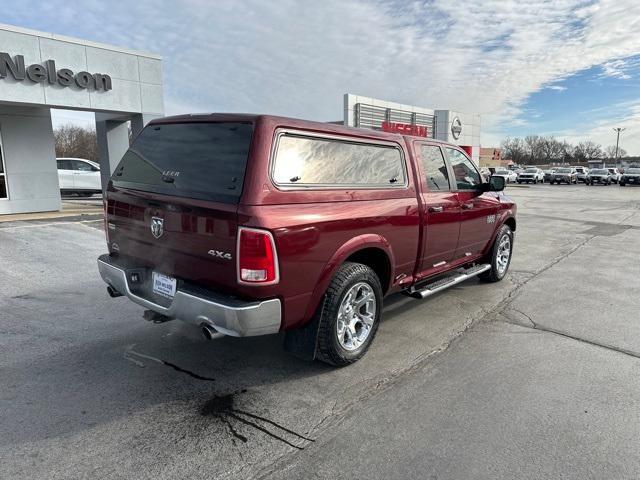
254	224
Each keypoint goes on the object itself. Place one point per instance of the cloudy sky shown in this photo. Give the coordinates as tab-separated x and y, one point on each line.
565	67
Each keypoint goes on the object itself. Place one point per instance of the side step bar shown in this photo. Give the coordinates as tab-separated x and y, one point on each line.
461	275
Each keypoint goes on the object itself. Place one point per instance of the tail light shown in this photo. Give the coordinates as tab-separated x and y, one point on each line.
257	257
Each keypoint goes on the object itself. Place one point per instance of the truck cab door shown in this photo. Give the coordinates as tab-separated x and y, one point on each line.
478	208
440	220
65	174
84	175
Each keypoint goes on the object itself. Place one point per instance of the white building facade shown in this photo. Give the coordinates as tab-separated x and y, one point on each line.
459	128
40	71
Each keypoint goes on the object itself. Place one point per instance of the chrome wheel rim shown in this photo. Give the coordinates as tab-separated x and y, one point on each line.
356	316
504	253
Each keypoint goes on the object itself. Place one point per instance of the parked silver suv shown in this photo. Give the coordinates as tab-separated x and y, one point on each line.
582	172
566	175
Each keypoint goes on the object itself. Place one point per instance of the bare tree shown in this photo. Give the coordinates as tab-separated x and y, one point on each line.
514	149
551	149
566	152
610	152
587	150
74	141
534	148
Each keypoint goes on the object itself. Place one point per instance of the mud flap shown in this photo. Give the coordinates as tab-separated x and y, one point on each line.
303	342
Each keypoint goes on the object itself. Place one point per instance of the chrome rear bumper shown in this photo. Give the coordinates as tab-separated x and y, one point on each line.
227	315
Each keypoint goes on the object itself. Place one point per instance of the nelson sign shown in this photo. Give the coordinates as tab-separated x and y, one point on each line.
48	73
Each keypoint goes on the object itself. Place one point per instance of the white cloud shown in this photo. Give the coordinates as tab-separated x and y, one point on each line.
298	57
557	88
615	69
625	115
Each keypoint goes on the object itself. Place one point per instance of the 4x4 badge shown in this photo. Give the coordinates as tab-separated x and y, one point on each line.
219	254
157	226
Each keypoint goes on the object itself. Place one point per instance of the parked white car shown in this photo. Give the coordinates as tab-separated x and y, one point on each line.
509	176
615	174
531	175
79	176
583	173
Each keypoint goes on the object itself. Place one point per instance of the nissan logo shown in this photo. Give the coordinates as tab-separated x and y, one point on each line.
456	128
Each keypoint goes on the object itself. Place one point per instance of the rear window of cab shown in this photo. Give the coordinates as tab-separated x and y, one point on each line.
313	161
195	160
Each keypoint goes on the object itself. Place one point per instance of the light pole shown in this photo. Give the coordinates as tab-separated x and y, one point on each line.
617	130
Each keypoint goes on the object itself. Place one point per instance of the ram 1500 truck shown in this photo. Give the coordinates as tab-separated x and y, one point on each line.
253	224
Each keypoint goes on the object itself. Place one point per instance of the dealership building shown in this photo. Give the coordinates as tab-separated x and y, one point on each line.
40	71
462	129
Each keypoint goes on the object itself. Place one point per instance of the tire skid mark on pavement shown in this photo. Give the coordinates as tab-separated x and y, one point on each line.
129	352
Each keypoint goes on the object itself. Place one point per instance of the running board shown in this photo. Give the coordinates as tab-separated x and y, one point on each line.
443	283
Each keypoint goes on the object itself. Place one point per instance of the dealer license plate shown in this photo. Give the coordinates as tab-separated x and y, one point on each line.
164	285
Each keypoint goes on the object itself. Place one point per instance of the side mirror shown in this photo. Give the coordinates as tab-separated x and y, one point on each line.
496	183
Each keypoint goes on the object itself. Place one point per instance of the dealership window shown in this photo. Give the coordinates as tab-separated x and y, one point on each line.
312	161
467	177
434	168
3	175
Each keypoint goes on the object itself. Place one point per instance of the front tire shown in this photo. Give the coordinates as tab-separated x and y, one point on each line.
349	314
500	256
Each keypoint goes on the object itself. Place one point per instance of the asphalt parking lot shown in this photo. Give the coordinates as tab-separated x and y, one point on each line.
534	377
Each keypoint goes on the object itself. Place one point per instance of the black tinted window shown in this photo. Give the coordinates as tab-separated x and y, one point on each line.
467	177
64	164
318	161
435	168
196	160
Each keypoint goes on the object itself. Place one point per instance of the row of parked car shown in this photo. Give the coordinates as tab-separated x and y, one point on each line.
568	175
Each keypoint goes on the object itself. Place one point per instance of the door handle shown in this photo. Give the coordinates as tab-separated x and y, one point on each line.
436	209
467	206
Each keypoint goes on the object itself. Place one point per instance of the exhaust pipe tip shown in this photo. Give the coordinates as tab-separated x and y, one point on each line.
113	293
209	332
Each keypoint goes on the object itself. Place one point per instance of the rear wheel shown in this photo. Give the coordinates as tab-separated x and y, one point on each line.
500	256
349	314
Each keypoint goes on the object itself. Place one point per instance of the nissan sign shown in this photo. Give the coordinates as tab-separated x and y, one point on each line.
456	128
48	73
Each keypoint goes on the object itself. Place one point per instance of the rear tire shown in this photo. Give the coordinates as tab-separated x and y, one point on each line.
343	322
500	258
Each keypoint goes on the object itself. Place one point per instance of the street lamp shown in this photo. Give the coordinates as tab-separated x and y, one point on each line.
617	130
